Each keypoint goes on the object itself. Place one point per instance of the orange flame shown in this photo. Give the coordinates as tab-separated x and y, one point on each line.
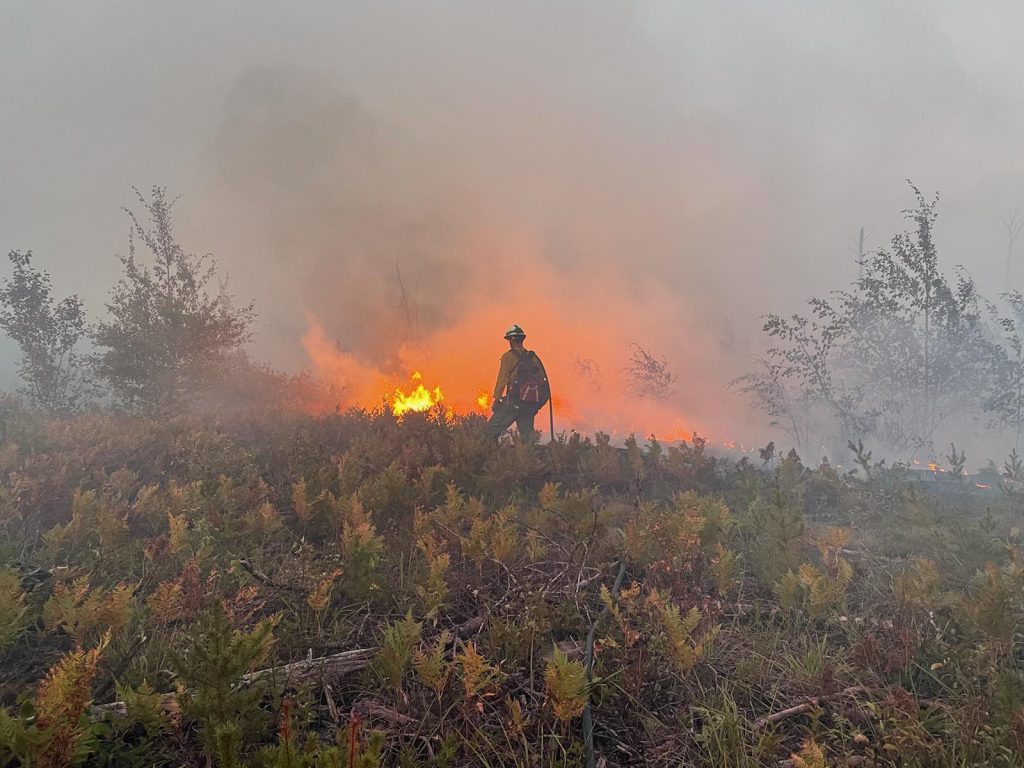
586	352
419	399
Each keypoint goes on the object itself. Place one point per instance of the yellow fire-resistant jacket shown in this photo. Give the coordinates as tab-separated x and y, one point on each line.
506	369
508	365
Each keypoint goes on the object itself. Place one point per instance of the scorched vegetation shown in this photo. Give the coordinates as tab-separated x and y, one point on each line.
204	562
361	590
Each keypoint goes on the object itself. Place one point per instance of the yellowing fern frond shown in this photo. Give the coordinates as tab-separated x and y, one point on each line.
431	666
178	536
12	606
81	611
478	675
396	650
565	683
319	596
61	699
682	649
300	502
811	755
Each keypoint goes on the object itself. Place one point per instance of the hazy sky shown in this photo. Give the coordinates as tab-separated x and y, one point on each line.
724	152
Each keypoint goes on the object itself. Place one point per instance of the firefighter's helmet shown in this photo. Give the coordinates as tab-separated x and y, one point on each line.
515	332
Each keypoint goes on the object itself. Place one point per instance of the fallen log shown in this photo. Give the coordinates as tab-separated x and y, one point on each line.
368	708
573	650
168	704
335	665
326	668
807	706
470	627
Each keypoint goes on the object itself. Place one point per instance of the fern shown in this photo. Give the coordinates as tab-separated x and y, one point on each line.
620	609
826	590
457	512
300	502
21	741
474	545
565	684
490	537
397	644
143	705
478	675
517	718
84	613
433	588
319	596
919	586
182	598
178	536
831	541
268	519
716	522
819	590
503	537
431	666
12	607
112	535
60	702
362	551
994	605
683	651
789	591
726	570
810	755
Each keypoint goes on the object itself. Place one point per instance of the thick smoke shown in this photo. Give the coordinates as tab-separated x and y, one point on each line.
411	241
394	183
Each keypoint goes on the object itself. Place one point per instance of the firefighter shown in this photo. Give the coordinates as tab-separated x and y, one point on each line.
521	389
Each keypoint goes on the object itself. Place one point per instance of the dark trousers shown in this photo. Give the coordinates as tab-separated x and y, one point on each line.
505	413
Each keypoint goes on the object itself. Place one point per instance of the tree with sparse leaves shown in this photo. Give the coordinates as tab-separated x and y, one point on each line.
914	341
1006	400
895	356
48	332
649	376
172	324
796	383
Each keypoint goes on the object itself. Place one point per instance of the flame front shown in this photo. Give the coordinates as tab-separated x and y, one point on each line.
586	345
419	399
452	369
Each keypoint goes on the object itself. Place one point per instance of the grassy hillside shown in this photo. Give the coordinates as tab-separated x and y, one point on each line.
450	594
